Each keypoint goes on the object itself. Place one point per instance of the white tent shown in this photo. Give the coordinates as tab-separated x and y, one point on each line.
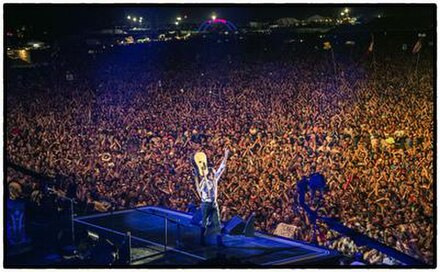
287	21
315	19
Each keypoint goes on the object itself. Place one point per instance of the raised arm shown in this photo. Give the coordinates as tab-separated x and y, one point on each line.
198	187
222	166
196	176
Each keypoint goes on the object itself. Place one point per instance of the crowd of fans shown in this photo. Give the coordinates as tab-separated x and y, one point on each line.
127	140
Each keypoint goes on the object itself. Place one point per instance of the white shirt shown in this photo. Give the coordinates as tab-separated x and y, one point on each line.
208	188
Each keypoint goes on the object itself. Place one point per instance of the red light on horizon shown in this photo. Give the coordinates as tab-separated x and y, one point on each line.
222	21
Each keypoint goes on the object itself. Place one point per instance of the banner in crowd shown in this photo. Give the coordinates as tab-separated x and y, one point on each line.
371	47
285	230
417	47
327	46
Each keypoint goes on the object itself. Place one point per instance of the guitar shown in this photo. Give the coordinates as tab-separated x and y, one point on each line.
201	164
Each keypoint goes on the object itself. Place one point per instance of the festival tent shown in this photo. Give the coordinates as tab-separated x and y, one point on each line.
287	21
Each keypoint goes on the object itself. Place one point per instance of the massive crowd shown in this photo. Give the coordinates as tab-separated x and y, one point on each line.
126	141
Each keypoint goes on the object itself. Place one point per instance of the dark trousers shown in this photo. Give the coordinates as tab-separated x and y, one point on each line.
211	213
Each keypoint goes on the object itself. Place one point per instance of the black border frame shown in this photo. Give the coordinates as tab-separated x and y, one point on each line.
278	5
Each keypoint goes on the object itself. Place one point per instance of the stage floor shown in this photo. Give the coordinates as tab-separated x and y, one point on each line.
147	227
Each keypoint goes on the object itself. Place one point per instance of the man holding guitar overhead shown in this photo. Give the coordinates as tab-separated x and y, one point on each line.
207	184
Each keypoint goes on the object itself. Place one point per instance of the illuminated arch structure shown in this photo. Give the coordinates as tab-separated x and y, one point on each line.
210	23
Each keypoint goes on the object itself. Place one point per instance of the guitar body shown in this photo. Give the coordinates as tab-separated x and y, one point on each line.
201	163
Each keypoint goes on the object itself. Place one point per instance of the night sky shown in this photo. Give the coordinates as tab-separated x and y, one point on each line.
67	19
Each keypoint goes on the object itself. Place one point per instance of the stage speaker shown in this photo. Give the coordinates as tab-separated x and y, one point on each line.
197	217
249	229
234	226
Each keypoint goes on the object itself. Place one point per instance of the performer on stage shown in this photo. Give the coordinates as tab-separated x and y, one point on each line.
207	184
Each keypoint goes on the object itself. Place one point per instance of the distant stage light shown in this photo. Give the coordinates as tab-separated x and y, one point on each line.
346	10
179	18
213	17
134	19
177	23
129	17
342	14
